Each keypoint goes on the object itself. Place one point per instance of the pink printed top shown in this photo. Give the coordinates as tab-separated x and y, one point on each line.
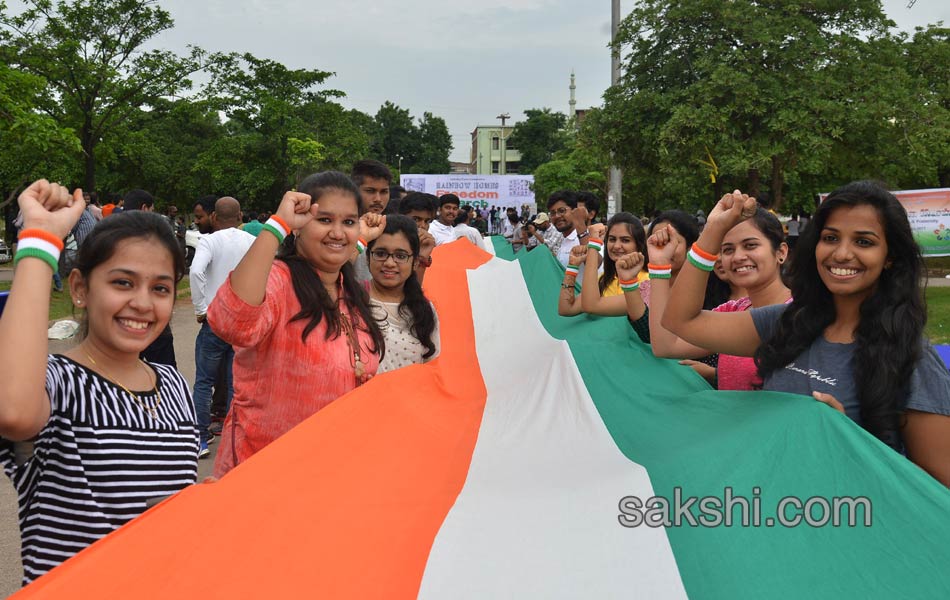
737	372
279	380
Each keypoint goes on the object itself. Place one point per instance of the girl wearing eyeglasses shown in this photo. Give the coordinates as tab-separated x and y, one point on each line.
407	319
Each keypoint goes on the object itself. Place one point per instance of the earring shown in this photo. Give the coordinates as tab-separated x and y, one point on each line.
781	261
78	302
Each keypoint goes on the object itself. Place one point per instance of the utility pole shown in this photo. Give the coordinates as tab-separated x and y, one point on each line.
614	200
504	117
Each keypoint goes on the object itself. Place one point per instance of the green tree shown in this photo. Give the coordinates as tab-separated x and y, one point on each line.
265	103
539	137
767	88
435	145
91	55
396	138
157	150
32	145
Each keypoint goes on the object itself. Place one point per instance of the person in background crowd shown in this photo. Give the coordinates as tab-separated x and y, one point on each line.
408	321
373	179
396	194
109	432
561	207
218	253
203	209
171	213
92	203
443	228
513	233
420	207
253	225
853	337
793	231
464	230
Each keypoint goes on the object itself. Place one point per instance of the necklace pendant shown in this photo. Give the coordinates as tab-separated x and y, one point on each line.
360	369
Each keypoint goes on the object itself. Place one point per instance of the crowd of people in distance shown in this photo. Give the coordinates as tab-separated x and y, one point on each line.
300	306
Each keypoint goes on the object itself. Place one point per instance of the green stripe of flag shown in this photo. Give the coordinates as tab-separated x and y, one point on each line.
663	416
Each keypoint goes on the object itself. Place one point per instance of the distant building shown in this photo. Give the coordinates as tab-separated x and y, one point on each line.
487	152
460	168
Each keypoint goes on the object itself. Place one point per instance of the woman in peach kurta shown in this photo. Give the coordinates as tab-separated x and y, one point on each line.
301	326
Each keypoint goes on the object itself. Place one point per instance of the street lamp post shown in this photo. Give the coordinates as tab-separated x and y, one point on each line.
504	117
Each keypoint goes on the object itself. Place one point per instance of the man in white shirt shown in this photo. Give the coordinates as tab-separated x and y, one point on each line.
464	230
561	207
443	228
218	253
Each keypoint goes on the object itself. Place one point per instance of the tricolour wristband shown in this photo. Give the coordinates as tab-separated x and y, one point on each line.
595	244
361	246
278	227
631	285
660	271
701	259
572	270
36	243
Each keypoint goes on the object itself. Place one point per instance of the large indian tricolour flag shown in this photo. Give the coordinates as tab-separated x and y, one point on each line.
509	468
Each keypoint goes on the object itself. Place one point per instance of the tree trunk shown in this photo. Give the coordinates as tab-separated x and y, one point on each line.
778	182
89	153
753	183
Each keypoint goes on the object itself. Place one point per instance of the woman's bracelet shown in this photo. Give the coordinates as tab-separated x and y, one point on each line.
629	285
572	270
660	271
701	259
36	243
595	244
278	227
361	246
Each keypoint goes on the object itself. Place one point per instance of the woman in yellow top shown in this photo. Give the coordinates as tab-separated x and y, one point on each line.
601	294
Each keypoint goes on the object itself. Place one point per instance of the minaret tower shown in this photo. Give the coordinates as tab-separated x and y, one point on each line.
573	102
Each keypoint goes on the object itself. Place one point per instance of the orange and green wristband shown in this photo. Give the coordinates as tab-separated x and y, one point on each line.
660	271
701	259
278	227
628	285
36	243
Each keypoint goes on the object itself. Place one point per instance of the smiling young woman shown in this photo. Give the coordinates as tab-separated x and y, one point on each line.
301	325
852	338
407	319
109	432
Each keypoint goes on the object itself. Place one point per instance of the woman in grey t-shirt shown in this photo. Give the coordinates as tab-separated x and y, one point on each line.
853	336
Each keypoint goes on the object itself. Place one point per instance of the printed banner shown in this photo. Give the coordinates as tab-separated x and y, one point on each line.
929	214
480	191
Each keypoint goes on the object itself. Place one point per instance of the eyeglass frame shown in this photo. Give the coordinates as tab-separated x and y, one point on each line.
560	212
409	256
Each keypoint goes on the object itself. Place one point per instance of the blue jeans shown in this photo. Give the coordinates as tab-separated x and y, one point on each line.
211	354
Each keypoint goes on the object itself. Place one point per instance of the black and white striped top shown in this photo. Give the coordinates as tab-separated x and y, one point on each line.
98	460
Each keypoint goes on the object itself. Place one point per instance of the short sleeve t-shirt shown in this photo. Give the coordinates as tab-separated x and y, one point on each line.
828	367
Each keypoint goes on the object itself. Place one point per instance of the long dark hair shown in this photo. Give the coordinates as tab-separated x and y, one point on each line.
717	290
415	307
315	302
635	228
101	243
888	336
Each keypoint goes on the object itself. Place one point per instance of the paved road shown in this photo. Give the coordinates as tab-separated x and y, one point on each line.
185	329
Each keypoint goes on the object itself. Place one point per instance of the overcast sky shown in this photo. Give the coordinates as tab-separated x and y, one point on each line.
464	61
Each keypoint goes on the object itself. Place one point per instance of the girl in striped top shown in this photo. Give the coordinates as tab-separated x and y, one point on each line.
109	432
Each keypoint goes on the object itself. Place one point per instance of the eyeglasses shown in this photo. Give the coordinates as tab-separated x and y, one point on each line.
400	257
561	211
